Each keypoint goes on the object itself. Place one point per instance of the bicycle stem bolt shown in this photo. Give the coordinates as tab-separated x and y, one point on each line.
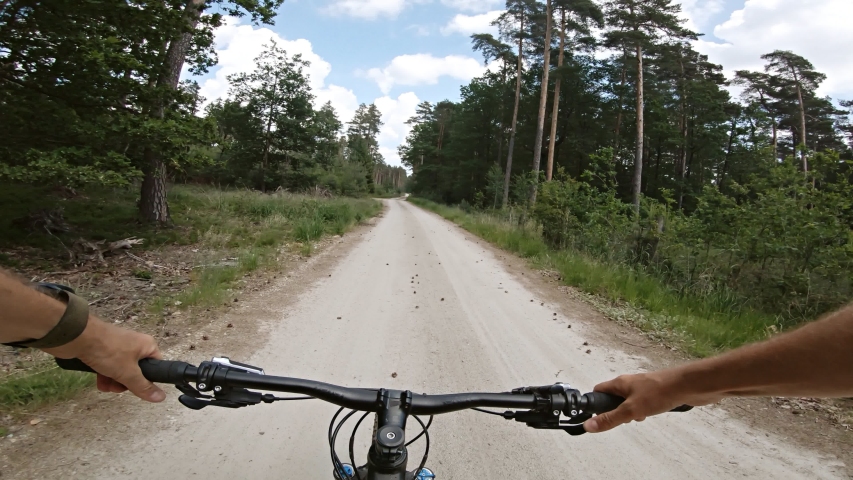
390	435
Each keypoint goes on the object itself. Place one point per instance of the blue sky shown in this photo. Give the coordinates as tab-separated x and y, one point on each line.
397	53
355	44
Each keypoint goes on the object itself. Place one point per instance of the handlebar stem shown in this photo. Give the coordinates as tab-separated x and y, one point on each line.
388	455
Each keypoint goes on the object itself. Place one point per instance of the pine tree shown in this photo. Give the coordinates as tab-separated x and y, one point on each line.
637	25
277	93
515	25
758	91
576	16
794	72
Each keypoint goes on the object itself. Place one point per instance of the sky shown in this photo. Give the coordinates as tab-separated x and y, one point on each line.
398	53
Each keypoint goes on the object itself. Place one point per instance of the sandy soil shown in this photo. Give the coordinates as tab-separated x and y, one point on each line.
416	303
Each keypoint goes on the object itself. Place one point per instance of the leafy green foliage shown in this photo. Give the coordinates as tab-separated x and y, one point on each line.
703	324
269	136
731	211
90	91
781	245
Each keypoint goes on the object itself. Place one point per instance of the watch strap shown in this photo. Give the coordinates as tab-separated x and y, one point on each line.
70	326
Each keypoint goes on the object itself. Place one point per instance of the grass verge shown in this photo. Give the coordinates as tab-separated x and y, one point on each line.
37	389
701	326
235	232
250	230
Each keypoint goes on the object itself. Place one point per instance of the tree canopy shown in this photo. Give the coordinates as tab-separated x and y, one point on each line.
700	173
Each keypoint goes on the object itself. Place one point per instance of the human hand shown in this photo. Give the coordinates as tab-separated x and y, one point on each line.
114	353
646	394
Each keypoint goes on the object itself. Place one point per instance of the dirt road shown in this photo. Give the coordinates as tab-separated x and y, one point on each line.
420	298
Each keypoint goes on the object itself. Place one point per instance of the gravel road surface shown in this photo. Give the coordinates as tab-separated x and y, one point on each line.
420	304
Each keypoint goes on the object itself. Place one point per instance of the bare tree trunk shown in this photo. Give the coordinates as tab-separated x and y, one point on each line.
153	206
501	120
268	139
549	170
514	117
802	124
729	150
622	81
543	104
683	160
775	141
638	160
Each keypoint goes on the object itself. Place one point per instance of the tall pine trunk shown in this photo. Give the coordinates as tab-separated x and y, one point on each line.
514	116
153	206
775	140
772	124
501	120
622	81
543	104
731	143
802	123
683	160
549	169
638	160
268	139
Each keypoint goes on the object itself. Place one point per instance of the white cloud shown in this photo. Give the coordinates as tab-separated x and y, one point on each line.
473	5
369	9
373	9
699	12
238	45
423	69
419	30
818	30
395	113
471	24
343	100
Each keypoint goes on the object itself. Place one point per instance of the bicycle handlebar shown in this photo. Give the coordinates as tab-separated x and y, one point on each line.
180	373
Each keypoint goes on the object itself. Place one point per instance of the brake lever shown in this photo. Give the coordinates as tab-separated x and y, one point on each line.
554	399
212	373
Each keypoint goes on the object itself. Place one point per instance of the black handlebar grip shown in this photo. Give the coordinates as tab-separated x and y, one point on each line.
599	402
73	364
164	371
158	371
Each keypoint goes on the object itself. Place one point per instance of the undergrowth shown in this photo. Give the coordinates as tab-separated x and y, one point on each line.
239	232
702	325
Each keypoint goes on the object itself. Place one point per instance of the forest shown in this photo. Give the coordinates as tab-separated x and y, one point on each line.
601	126
92	96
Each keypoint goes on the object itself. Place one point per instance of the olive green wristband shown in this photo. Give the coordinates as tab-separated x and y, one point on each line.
70	326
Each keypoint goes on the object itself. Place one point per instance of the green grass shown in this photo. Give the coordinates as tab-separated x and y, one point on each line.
309	229
253	228
246	218
703	325
33	390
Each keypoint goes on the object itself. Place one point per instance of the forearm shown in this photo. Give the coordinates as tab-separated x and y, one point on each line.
113	352
815	360
25	313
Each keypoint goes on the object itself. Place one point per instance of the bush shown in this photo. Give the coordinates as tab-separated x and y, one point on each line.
780	244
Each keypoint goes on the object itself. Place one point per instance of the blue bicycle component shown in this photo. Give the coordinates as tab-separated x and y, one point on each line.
426	474
347	473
